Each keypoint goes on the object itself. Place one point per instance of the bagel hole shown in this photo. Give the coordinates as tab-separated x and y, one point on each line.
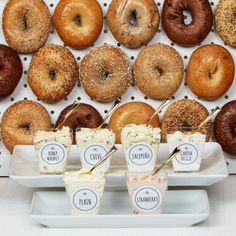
104	75
187	17
78	20
25	22
52	74
185	127
133	18
25	126
79	124
88	117
159	70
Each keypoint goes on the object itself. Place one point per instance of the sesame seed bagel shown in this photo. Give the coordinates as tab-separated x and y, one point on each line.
158	71
225	21
185	114
20	122
26	24
52	73
105	73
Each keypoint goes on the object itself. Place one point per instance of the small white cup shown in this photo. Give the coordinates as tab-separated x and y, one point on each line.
147	193
84	192
52	150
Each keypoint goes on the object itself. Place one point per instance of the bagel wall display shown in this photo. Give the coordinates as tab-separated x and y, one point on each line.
53	53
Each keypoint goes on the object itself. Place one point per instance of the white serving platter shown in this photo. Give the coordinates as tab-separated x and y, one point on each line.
181	208
24	169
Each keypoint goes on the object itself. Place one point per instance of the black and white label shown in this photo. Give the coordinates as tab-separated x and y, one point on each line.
93	153
188	155
85	200
53	153
147	198
140	154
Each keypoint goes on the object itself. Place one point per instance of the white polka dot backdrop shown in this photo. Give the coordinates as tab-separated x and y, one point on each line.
23	91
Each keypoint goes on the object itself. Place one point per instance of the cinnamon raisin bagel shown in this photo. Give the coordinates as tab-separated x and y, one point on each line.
134	22
21	121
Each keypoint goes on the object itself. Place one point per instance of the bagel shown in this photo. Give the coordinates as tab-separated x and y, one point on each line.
185	114
134	22
164	67
53	73
175	27
10	70
210	71
131	113
225	128
26	24
78	22
21	121
105	73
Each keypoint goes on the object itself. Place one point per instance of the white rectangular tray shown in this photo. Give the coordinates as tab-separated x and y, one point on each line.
24	169
181	208
133	94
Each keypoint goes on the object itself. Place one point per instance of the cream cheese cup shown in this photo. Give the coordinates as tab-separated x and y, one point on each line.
93	144
84	191
52	150
147	193
191	146
140	145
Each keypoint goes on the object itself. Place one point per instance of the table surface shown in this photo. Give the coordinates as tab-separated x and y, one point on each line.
15	202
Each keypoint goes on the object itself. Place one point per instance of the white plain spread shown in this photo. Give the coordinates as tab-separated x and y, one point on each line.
191	145
146	193
93	145
84	191
52	150
140	144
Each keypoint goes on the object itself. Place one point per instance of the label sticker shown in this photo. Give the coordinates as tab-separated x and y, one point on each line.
93	153
85	199
147	198
140	154
188	155
53	153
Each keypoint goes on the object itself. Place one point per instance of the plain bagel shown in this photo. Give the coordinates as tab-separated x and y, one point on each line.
78	22
131	113
210	71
